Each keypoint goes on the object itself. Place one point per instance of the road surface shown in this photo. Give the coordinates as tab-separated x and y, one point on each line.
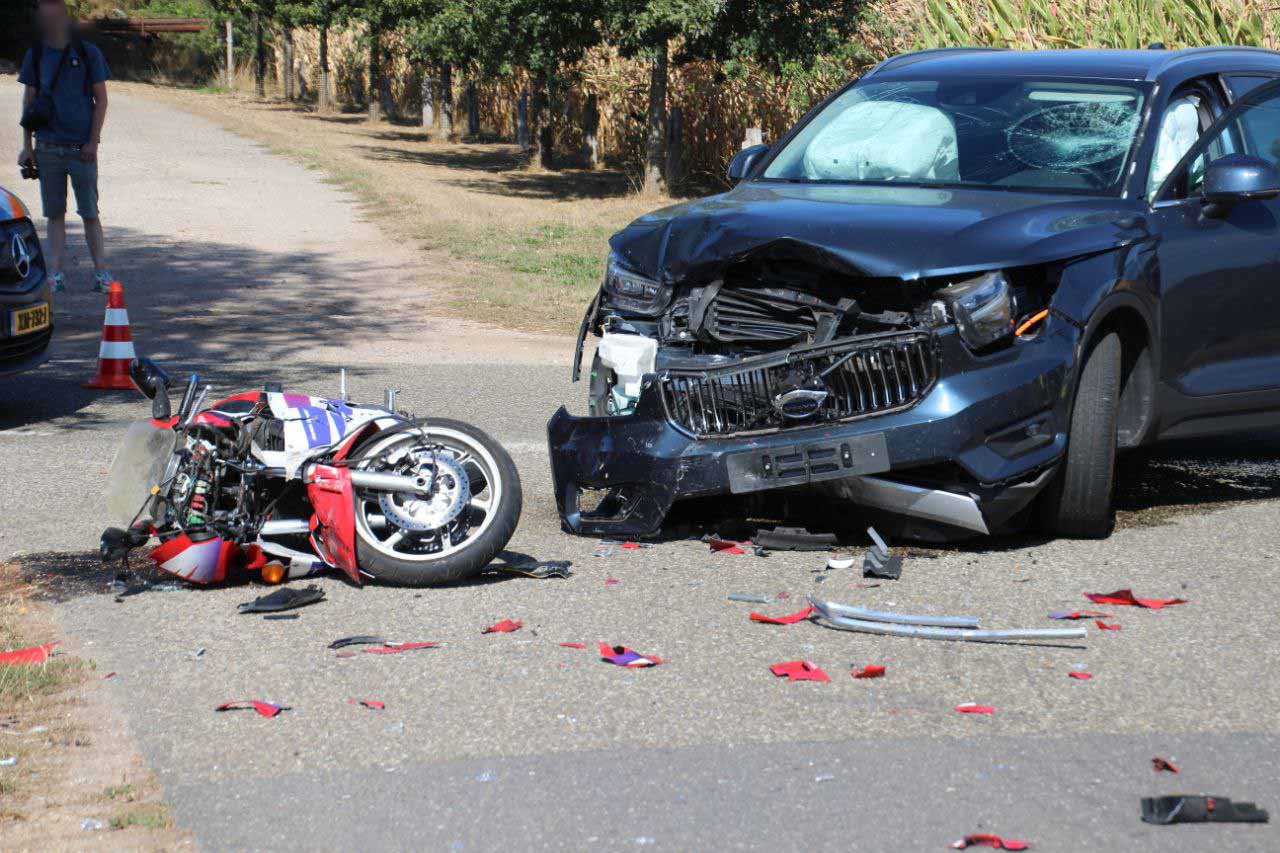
250	268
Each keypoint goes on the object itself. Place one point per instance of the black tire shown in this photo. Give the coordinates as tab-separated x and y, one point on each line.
471	558
1078	501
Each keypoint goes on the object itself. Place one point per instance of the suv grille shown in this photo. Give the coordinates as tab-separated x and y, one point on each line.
853	379
10	279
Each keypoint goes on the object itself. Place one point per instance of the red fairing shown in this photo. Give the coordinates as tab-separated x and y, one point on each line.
333	527
350	442
199	562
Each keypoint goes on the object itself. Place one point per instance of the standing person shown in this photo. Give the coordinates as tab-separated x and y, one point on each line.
69	77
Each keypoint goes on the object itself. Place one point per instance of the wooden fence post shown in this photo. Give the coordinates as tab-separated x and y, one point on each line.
522	120
590	132
473	110
675	147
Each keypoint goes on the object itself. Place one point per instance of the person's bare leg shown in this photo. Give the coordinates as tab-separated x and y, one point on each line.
97	249
57	242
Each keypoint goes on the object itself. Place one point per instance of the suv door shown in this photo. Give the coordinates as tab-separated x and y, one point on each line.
1220	276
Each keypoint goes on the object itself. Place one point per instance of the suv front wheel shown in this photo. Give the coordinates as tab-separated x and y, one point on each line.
1078	501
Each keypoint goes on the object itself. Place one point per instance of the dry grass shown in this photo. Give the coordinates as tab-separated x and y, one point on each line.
534	242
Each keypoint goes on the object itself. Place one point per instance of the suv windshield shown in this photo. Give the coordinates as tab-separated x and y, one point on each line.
1057	136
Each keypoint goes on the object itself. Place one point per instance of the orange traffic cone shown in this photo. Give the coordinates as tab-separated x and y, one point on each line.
116	350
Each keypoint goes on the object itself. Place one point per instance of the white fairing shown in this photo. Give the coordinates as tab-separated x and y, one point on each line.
885	140
630	357
312	425
197	562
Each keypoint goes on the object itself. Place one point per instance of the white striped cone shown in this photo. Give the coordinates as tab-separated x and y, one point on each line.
115	353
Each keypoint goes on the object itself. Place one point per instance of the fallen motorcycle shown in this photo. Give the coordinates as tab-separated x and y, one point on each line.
309	483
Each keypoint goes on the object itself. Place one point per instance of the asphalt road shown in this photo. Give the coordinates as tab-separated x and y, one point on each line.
250	268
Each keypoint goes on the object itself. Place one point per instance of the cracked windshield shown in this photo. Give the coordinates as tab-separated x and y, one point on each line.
1025	134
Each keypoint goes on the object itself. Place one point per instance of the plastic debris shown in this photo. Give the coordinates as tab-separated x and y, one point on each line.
990	839
1185	808
1126	597
974	708
1103	626
1083	676
1164	765
604	549
749	597
283	599
358	640
878	563
623	656
869	671
726	546
266	709
34	730
110	675
799	670
840	561
91	824
371	704
573	645
394	648
25	657
789	619
930	627
198	653
1078	614
611	581
281	617
538	570
505	626
794	539
9	761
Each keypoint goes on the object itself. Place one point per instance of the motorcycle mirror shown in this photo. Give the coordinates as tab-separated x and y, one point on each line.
149	378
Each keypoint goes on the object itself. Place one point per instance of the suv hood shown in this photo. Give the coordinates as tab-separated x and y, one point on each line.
878	231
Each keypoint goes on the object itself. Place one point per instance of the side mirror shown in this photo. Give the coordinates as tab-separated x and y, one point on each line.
153	382
1235	178
742	162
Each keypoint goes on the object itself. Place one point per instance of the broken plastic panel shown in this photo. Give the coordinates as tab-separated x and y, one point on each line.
900	628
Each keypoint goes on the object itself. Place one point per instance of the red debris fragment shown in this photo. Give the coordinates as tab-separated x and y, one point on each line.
506	626
393	648
869	671
1126	597
611	581
1103	626
1083	676
971	708
990	839
108	675
23	657
573	645
726	546
789	619
623	656
1161	764
371	704
266	709
799	670
631	546
1078	614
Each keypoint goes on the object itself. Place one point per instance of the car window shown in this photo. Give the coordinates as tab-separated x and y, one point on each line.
1255	130
1240	85
1179	129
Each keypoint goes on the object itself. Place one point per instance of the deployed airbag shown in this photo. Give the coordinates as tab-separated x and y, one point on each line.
884	140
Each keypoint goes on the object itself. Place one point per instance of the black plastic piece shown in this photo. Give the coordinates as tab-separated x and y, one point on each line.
794	539
284	599
1189	808
358	640
890	569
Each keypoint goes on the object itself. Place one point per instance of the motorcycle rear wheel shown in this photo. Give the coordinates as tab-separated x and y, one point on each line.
435	557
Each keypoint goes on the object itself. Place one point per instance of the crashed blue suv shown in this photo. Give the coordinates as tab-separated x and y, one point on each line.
948	296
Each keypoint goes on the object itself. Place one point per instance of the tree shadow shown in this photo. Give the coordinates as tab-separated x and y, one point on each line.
563	185
495	159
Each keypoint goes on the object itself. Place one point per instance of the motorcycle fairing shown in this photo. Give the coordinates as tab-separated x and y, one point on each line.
333	526
311	425
206	561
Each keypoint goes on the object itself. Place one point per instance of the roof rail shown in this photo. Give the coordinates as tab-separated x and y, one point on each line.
1189	53
918	55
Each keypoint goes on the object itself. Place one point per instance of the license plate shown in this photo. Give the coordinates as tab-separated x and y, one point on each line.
796	465
30	320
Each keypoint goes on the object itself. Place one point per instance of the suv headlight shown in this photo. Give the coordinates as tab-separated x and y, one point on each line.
982	308
633	292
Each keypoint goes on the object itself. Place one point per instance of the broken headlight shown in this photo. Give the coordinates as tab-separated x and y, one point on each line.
633	292
982	308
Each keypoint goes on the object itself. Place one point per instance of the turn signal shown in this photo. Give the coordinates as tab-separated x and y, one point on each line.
273	572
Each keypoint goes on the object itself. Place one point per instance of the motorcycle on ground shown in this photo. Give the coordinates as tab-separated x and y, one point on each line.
309	483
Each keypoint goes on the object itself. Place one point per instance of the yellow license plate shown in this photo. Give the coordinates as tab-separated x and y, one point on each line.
30	320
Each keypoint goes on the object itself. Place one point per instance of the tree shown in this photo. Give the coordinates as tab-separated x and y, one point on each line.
321	14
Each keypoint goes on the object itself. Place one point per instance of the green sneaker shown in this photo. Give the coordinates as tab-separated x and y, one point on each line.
102	282
59	282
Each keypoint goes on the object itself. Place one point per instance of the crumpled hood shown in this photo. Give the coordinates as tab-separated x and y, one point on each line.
877	231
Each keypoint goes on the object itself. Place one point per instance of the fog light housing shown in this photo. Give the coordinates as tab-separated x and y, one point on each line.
982	308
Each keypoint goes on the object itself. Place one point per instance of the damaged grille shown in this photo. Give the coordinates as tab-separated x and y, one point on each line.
837	382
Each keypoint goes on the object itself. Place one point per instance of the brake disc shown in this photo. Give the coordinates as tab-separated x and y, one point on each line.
450	494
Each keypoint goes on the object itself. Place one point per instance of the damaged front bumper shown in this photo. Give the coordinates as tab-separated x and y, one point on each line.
968	454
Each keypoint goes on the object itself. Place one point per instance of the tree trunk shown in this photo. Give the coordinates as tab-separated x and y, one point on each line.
375	76
231	56
522	121
539	127
675	148
289	89
260	59
656	124
326	90
428	98
473	110
590	131
446	100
